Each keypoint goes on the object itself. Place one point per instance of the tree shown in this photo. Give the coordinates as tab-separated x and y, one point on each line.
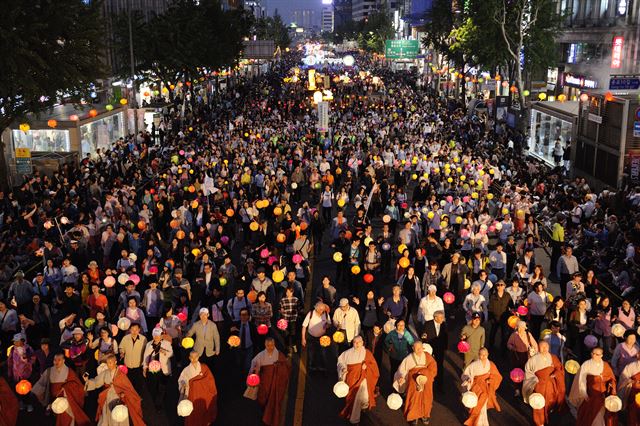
374	31
51	50
439	24
272	28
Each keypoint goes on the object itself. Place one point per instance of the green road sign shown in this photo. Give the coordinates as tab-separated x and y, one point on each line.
401	49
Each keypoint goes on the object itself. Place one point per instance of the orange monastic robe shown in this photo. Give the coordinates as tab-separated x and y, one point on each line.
551	386
485	387
274	381
598	388
8	404
128	396
203	393
355	376
418	403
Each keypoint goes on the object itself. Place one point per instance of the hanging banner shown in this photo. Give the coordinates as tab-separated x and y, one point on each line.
323	116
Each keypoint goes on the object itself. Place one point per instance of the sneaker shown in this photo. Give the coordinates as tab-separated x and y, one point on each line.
29	408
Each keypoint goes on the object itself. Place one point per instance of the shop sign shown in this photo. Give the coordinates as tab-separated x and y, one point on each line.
624	82
23	161
616	52
636	129
579	81
634	167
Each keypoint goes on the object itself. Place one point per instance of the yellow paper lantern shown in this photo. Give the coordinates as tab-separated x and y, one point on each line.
277	211
254	226
430	215
196	252
490	196
338	337
458	220
513	321
277	276
187	343
25	127
123	101
401	248
467	284
571	366
341	202
337	257
404	262
355	269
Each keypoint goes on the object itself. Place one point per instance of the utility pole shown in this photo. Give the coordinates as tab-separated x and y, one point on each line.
134	103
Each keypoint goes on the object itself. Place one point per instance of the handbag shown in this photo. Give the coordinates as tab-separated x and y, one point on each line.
251	392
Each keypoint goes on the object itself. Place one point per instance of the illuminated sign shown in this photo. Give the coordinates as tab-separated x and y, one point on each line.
579	81
616	52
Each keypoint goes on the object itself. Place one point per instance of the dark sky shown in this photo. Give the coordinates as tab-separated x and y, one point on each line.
286	7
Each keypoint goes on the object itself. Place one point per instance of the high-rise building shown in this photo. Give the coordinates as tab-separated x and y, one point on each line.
341	12
305	18
256	7
327	24
361	9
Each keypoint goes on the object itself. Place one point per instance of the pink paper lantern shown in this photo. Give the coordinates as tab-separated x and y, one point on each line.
155	366
590	341
264	253
135	278
517	375
182	316
253	380
224	240
181	152
297	258
109	281
271	260
263	329
153	269
463	346
282	324
448	298
123	369
522	310
449	199
465	199
492	228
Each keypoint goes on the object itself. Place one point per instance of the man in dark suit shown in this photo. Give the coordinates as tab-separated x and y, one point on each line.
374	338
437	336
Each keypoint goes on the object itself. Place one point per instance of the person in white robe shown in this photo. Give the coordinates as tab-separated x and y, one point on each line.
355	355
105	378
579	389
537	362
479	367
626	380
189	372
266	357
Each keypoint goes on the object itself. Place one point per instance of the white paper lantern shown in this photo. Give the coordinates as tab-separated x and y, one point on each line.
133	257
613	403
124	323
123	278
389	326
536	401
185	408
120	413
341	389
60	405
427	348
469	399
294	185
394	401
348	61
498	226
317	96
617	330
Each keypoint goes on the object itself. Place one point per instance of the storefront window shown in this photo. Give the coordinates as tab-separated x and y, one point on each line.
100	134
550	137
47	140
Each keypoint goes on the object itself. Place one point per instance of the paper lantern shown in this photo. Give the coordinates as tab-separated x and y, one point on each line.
545	333
523	310
404	262
52	123
88	323
325	341
526	93
517	375
386	246
386	218
109	281
25	127
467	283
120	413
124	323
277	276
234	341
536	401
617	330
187	343
180	235
355	269
590	341
448	298
341	203
182	316
341	389
254	226
394	401
401	248
74	117
135	278
277	211
513	321
185	408
253	380
93	113
637	399
317	96
230	212
463	346
338	337
155	366
584	97
123	369
348	61
613	403
123	278
281	238
282	324
109	107
297	258
469	399
194	203
123	101
60	405
23	387
368	278
223	281
263	329
252	296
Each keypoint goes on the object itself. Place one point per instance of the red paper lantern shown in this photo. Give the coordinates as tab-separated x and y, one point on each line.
263	329
253	380
522	310
463	346
448	298
517	375
142	225
182	316
93	113
282	324
23	387
368	278
123	369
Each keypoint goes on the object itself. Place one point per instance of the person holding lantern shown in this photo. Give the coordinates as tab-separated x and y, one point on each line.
359	370
274	369
207	338
522	346
593	383
628	391
197	384
156	365
314	326
474	334
483	379
415	376
544	374
347	321
61	381
20	362
117	390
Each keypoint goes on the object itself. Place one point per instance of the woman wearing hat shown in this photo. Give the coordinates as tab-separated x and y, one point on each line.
522	345
20	366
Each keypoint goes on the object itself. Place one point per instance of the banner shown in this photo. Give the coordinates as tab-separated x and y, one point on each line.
323	116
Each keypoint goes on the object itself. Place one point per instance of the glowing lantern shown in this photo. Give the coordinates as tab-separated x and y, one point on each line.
109	107
123	101
120	413
562	97
60	405
448	298
513	321
223	281
25	127
337	257
88	323
281	238
348	61
338	337
187	343
180	234
325	341
505	84
526	93
368	278
590	341
536	401
617	330
155	366
401	248
74	117
234	341
23	387
542	96
263	329
277	211
93	113
124	323
185	408
317	96
463	346
230	212
517	375
584	97
394	401
608	97
52	123
109	281
469	399
523	310
341	389
277	276
355	269
404	262
254	226
613	403
253	380
282	324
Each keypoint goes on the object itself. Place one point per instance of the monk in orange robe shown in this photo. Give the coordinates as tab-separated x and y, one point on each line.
592	384
359	370
60	380
117	387
482	378
628	390
9	406
415	375
544	374
274	370
196	383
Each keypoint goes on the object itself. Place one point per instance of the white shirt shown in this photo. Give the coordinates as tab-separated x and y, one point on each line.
428	306
315	323
166	352
348	321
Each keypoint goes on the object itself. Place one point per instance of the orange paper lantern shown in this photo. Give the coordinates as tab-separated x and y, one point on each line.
404	262
52	123
142	225
230	212
23	387
93	113
180	234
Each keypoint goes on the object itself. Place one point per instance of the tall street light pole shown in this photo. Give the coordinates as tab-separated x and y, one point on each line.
134	103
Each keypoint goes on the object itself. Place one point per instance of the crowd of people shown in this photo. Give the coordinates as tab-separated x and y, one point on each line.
156	260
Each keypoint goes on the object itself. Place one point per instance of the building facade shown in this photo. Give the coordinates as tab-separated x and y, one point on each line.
327	23
341	12
361	9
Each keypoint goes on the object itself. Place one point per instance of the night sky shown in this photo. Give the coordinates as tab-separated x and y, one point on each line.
286	7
